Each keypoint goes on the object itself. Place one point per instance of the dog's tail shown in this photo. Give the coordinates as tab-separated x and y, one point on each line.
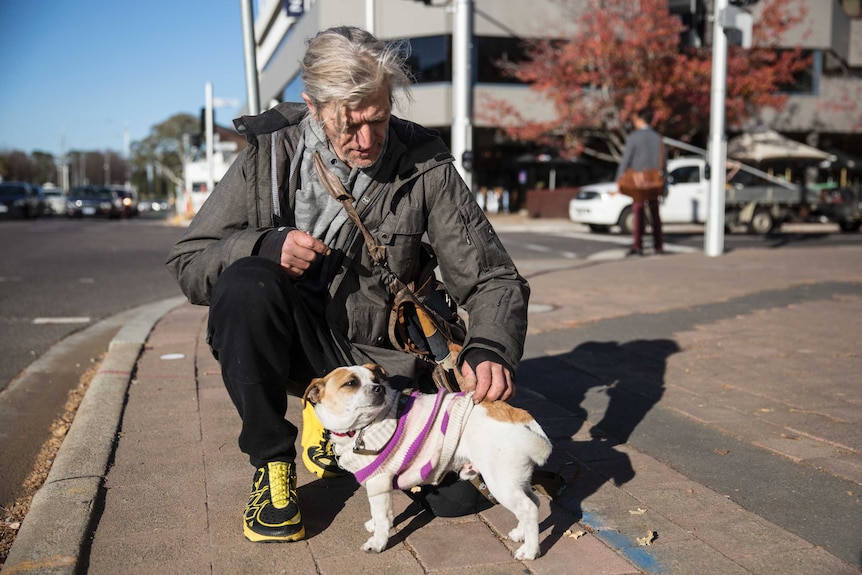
541	446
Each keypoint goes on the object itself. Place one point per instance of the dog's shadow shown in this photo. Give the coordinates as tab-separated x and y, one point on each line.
326	499
612	384
329	497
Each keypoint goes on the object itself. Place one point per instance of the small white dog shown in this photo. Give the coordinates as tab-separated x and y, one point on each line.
390	440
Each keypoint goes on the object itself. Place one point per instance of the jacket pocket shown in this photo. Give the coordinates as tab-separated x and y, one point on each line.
401	233
482	237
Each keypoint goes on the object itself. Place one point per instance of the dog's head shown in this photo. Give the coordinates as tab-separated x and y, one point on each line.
349	398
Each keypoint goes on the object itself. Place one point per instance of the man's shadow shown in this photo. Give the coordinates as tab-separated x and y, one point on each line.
611	385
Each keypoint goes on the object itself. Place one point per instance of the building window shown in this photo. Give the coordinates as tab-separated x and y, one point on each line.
490	52
806	82
431	59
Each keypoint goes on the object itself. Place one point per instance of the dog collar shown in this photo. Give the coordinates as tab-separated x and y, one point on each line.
398	410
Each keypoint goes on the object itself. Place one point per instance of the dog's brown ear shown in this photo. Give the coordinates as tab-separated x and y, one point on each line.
313	391
377	370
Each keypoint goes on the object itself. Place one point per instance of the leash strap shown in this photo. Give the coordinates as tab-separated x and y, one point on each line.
336	189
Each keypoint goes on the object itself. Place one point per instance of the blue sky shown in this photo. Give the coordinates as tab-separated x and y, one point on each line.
90	70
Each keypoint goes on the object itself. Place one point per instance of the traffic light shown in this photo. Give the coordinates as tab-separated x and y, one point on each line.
467	160
692	14
203	120
738	24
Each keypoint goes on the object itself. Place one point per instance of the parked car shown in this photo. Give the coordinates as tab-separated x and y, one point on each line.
759	207
844	206
93	201
55	201
21	200
128	201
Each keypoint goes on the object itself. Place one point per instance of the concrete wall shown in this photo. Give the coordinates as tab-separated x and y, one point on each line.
826	27
837	109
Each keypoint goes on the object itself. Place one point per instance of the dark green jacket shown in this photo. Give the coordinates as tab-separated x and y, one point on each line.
417	192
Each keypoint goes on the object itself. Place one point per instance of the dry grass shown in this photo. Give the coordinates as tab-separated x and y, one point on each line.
15	513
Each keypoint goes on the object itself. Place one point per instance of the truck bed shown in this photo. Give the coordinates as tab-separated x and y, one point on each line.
767	194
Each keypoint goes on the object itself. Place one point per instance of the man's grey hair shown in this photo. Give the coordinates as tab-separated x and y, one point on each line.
346	65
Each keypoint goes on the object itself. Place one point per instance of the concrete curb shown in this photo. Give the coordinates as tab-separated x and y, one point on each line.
57	524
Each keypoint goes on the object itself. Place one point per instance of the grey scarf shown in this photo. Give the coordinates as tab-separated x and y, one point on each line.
316	211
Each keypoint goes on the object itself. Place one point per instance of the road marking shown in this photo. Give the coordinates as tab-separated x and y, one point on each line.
547	250
59	320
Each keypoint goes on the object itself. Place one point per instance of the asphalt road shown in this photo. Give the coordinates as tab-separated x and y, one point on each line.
60	275
64	287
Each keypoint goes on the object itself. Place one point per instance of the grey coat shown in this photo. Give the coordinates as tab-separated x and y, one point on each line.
643	150
417	192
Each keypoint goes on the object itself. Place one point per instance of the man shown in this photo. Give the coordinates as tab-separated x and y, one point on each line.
644	150
292	289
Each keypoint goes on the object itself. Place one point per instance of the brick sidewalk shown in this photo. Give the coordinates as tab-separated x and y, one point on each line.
755	363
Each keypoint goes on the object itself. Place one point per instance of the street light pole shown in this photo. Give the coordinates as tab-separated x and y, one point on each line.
462	85
369	16
714	238
249	48
210	140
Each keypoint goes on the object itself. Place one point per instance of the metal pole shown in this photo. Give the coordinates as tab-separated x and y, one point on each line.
369	16
462	85
208	113
248	44
714	238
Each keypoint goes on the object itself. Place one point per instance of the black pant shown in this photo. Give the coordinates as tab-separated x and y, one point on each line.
640	225
269	345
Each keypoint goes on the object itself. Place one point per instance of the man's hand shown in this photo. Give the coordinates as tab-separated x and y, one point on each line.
300	250
490	381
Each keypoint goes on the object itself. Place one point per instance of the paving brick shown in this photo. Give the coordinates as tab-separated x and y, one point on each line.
694	556
147	553
808	560
448	545
743	534
397	561
586	555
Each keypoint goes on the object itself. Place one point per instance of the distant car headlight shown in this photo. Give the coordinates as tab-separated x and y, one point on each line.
594	195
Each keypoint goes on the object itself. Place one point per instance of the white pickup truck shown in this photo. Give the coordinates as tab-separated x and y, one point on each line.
759	207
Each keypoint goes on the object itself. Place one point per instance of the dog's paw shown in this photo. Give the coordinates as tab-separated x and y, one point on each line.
516	534
374	545
525	553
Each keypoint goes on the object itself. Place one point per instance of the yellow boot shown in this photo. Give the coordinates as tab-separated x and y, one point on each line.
317	454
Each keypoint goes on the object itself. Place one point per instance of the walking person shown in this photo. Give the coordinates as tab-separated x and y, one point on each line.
292	289
644	150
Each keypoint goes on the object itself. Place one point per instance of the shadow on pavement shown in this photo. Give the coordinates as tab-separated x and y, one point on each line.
617	384
329	497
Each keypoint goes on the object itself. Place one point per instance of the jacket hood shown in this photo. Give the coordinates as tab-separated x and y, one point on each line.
283	115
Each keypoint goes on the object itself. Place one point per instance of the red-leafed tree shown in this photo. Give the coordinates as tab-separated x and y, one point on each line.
625	55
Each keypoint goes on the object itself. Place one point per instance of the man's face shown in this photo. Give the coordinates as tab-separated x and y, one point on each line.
358	139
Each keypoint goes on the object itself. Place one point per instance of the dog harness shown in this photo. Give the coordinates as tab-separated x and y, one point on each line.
416	447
